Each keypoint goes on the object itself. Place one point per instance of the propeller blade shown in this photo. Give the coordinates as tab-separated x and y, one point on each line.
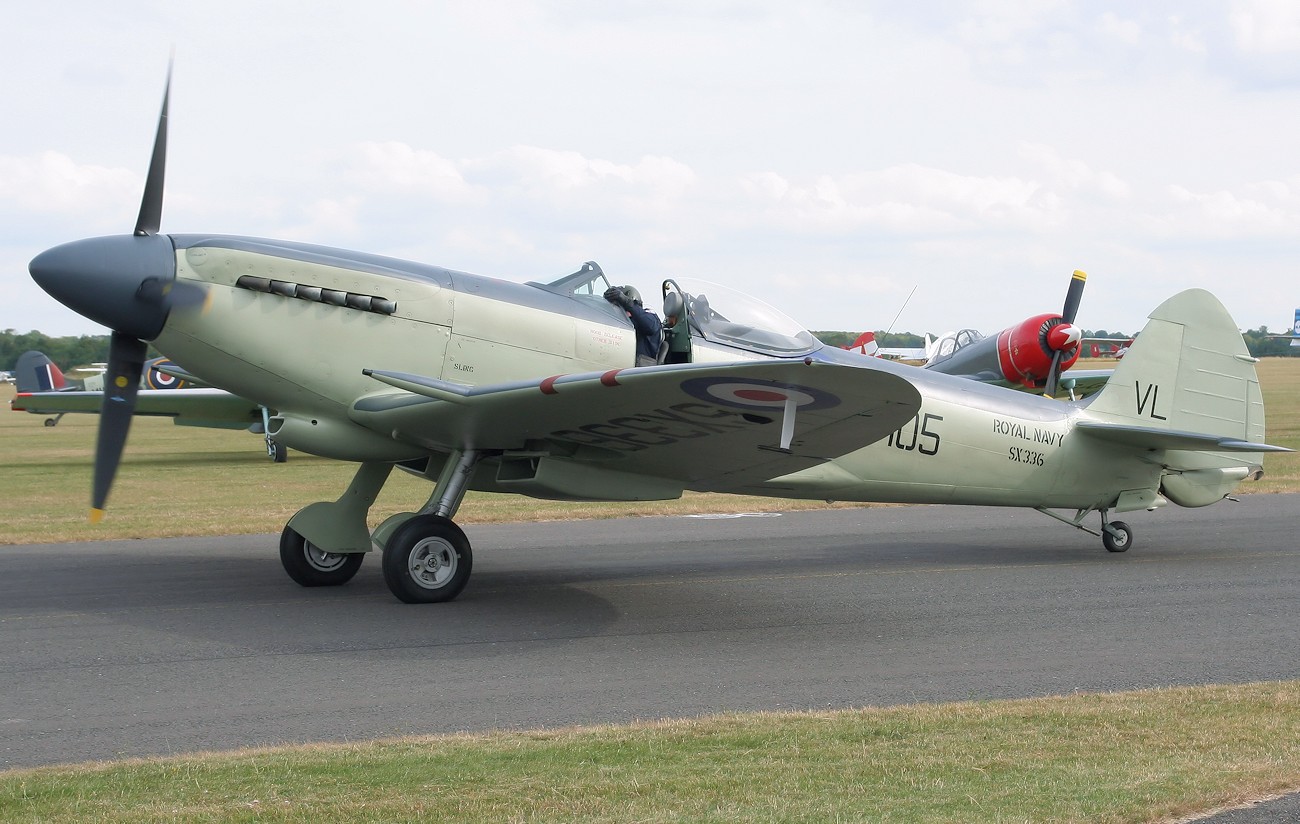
126	356
150	218
1073	296
1053	375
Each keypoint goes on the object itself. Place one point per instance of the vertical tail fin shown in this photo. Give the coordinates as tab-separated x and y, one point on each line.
37	373
1187	393
865	344
1188	370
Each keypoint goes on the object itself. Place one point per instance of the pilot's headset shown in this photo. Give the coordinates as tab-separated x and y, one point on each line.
631	293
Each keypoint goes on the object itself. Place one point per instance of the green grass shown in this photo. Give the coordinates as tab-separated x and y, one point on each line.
180	480
177	480
1130	757
1279	378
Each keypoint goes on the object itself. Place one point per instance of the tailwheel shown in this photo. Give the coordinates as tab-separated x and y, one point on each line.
311	566
427	560
1116	536
276	451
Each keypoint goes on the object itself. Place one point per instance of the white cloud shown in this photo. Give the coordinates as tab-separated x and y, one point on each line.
52	182
981	149
569	178
1261	210
1266	27
395	167
1073	174
1127	31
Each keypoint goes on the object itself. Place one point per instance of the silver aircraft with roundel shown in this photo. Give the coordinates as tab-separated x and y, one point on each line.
532	388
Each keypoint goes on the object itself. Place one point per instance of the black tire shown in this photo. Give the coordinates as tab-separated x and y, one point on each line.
427	560
50	421
1119	540
312	567
279	454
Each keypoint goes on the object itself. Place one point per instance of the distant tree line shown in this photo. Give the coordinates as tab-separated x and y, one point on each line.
1259	342
65	351
1262	346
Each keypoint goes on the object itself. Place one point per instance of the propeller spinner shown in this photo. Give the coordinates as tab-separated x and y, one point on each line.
127	283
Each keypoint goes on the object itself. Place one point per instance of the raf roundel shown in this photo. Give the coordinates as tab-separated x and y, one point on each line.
758	394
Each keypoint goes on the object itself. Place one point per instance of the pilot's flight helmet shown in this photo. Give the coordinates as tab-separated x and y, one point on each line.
632	294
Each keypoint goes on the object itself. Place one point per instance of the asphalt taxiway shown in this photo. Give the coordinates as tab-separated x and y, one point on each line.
131	648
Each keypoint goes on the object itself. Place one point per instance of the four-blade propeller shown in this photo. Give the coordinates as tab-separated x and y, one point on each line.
127	283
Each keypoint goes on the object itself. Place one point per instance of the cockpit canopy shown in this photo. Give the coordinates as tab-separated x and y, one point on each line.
724	315
715	312
953	342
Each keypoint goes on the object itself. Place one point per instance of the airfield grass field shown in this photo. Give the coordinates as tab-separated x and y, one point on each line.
178	480
1126	757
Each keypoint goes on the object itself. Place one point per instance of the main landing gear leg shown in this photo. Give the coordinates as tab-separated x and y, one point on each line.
427	558
1116	536
324	544
274	451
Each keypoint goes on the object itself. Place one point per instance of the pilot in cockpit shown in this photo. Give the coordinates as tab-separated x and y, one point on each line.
645	322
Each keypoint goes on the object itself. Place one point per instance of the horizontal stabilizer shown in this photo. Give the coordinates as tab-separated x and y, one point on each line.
1145	437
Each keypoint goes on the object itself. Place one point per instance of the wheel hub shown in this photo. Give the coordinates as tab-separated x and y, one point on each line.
432	563
322	560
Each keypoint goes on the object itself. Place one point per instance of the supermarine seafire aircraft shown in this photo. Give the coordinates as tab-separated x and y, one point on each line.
477	383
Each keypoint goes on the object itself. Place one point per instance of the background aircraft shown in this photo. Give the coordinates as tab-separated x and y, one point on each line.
473	382
1295	331
865	344
1107	347
1032	355
165	390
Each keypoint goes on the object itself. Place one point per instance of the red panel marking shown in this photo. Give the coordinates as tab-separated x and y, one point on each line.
548	386
761	395
610	378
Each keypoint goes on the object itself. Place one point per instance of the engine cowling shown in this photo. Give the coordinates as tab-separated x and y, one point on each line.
1025	350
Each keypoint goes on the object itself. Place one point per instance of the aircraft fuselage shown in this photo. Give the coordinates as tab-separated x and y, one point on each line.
292	326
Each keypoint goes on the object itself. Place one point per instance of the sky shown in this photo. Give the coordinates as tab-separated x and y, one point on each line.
825	156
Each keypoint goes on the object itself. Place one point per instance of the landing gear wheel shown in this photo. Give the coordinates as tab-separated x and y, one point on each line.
1116	536
277	452
311	566
427	560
